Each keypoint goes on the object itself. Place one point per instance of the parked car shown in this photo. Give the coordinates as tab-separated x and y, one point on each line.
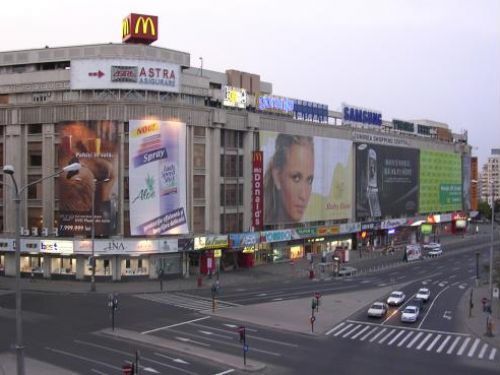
396	298
424	294
378	310
410	314
433	249
347	271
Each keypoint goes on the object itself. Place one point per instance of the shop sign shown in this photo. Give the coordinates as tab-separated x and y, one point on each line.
350	227
211	242
217	253
373	225
117	246
168	246
257	190
392	223
426	228
276	104
358	115
275	235
458	216
299	233
30	246
56	247
248	250
310	111
243	239
328	231
139	28
7	245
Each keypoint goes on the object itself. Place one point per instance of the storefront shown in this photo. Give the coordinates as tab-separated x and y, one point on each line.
59	259
275	245
204	252
245	245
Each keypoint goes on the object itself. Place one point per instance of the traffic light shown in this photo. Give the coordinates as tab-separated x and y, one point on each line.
241	331
128	369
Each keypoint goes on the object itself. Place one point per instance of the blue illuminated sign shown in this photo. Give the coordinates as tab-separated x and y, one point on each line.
273	103
305	110
362	116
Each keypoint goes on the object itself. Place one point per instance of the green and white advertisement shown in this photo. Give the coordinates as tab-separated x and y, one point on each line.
440	182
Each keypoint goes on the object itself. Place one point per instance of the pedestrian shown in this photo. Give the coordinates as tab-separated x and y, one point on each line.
160	276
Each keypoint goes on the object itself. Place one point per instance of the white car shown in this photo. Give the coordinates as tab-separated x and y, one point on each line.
433	249
378	310
424	294
410	314
396	298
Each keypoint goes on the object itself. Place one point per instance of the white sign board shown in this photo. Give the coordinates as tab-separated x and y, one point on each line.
92	74
495	293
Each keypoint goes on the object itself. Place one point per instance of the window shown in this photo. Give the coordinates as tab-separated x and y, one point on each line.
231	195
199	131
198	155
231	139
126	192
198	187
34	191
231	165
231	223
127	263
35	159
199	219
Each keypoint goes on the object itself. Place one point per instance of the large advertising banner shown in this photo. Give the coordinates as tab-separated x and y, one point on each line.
95	145
386	181
306	178
466	183
474	183
157	177
440	182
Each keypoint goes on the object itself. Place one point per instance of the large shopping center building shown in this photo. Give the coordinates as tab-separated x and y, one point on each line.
192	170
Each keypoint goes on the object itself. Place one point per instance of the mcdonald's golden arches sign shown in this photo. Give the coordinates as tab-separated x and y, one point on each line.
139	28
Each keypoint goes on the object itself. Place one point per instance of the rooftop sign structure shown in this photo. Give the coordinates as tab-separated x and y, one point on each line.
139	29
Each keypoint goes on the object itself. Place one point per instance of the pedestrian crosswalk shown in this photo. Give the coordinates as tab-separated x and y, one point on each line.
450	343
186	301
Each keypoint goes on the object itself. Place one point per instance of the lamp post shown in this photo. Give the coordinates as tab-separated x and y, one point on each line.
92	234
490	282
9	169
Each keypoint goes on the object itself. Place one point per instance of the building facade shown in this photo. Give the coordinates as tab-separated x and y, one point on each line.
182	167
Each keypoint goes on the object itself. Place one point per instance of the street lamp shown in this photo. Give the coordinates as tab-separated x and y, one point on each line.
9	169
490	283
93	263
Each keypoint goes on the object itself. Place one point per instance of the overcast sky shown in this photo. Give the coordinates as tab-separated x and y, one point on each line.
409	59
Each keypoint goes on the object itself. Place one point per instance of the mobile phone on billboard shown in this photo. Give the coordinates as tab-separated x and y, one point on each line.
372	188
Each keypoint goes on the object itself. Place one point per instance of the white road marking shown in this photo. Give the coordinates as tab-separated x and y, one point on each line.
395	337
492	353
185	339
473	347
377	335
412	342
429	348
462	286
173	325
277	299
231	325
405	338
443	344
386	336
225	372
335	328
351	331
483	350
368	334
176	360
342	330
360	332
462	348
205	332
262	295
98	372
412	328
424	341
430	307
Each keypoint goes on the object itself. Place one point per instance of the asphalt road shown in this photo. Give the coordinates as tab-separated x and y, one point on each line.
62	328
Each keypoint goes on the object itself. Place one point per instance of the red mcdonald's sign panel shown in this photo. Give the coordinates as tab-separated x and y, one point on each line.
139	28
257	190
474	182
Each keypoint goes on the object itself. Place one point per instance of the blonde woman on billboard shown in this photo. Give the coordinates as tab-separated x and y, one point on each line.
288	179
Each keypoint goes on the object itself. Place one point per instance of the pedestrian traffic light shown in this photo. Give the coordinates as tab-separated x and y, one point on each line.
241	331
128	369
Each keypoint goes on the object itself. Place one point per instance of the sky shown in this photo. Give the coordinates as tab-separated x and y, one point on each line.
408	59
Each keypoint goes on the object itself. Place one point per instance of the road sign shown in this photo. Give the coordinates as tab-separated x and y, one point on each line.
313	319
496	293
245	348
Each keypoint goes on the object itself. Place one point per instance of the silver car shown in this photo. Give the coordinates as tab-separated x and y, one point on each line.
378	310
396	298
410	314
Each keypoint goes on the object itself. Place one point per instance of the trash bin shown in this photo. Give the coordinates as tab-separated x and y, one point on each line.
200	281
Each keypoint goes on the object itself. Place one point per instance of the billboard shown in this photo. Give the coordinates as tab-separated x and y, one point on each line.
235	97
306	178
94	74
276	104
386	181
95	145
356	115
474	182
257	190
440	182
157	177
139	28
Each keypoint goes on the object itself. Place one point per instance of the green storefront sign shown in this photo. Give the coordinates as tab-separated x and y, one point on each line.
440	182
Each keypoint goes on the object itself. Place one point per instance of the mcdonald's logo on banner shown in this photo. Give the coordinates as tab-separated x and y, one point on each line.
139	28
257	190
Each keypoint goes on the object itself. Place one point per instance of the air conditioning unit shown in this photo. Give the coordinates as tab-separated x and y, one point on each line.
34	231
55	232
45	232
26	232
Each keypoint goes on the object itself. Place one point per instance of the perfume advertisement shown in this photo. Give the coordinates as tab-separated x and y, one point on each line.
157	177
386	181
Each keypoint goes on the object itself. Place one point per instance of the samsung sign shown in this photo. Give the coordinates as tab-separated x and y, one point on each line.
355	115
271	103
